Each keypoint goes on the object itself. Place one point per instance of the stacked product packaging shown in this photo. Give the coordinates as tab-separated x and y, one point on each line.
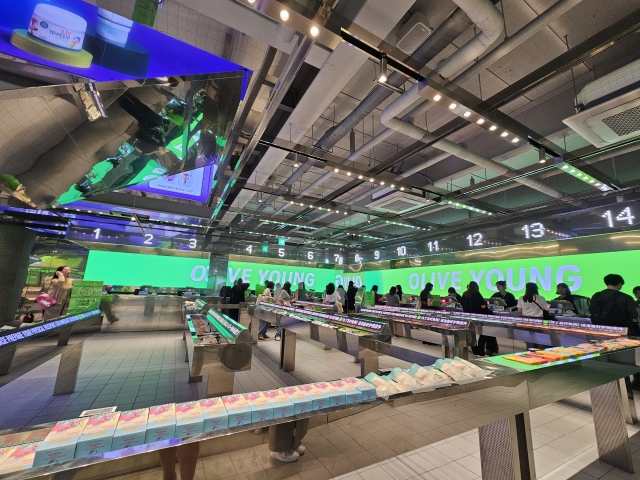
81	437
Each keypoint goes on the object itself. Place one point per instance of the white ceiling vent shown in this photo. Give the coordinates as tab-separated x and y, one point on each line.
611	107
413	33
398	202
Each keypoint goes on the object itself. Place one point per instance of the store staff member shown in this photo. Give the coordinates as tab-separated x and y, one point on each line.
502	293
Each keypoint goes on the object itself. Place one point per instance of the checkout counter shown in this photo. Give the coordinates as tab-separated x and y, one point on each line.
218	347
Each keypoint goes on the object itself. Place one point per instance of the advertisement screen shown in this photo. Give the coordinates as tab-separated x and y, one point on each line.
313	278
80	38
193	185
582	273
134	269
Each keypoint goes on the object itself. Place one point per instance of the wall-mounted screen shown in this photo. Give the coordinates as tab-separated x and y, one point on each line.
80	38
132	269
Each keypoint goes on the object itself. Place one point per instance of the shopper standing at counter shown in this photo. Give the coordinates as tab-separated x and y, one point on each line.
474	302
264	326
453	294
615	308
636	292
286	297
502	293
393	300
59	289
531	304
352	291
425	295
377	298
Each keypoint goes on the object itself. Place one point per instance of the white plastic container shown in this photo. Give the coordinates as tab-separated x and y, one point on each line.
113	28
57	26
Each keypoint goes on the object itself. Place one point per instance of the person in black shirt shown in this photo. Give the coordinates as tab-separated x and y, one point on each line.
452	293
351	298
502	293
425	295
614	308
636	292
474	302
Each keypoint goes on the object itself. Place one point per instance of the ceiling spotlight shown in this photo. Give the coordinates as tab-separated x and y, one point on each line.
348	174
393	186
336	170
337	211
515	140
381	183
251	1
452	106
345	213
314	31
542	156
493	128
466	114
383	69
295	162
437	98
402	189
291	202
259	197
371	180
284	15
504	134
480	121
359	177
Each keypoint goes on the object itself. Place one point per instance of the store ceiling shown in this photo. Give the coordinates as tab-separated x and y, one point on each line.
331	84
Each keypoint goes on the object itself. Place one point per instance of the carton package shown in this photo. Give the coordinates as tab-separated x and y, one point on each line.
214	414
334	396
5	453
189	419
131	429
237	409
351	394
97	435
60	444
302	401
261	408
319	396
368	390
20	458
282	406
162	423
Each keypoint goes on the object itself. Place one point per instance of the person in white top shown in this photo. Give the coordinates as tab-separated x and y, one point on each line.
531	304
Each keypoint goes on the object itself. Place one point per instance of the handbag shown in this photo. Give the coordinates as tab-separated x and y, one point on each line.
545	313
45	300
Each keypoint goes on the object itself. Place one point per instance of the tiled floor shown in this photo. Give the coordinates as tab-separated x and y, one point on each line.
141	369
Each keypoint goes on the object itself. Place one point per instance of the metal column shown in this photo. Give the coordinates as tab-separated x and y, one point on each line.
68	369
368	365
63	336
288	350
609	423
628	402
506	450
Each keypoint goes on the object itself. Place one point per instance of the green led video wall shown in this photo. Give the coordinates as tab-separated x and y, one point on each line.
134	269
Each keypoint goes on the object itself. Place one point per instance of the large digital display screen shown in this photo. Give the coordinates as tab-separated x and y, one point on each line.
133	269
193	185
80	38
583	273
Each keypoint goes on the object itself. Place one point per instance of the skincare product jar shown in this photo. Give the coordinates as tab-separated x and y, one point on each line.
113	28
57	26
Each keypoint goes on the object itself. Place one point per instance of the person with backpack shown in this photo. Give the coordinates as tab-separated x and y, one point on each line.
615	308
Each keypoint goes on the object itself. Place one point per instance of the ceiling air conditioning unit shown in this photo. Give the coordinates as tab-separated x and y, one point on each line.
397	202
610	107
413	33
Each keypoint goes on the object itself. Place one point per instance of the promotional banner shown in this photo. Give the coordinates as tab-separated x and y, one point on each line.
582	273
85	296
135	269
313	278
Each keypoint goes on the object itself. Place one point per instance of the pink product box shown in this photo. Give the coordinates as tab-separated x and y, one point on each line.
60	443
282	406
20	458
302	401
214	414
321	395
237	409
97	435
131	429
189	419
351	394
368	390
162	423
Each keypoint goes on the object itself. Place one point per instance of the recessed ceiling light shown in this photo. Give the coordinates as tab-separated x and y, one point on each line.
348	174
480	121
466	114
493	128
360	177
336	170
437	98
314	31
284	15
393	186
371	180
515	140
452	106
402	189
381	183
251	1
542	160
345	213
504	134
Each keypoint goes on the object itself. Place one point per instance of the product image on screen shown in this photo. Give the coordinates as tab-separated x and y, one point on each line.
193	185
95	43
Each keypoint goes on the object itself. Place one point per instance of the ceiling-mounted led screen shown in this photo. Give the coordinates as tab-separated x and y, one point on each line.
193	185
80	38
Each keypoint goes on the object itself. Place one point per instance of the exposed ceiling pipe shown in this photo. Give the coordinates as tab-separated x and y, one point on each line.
526	32
389	119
